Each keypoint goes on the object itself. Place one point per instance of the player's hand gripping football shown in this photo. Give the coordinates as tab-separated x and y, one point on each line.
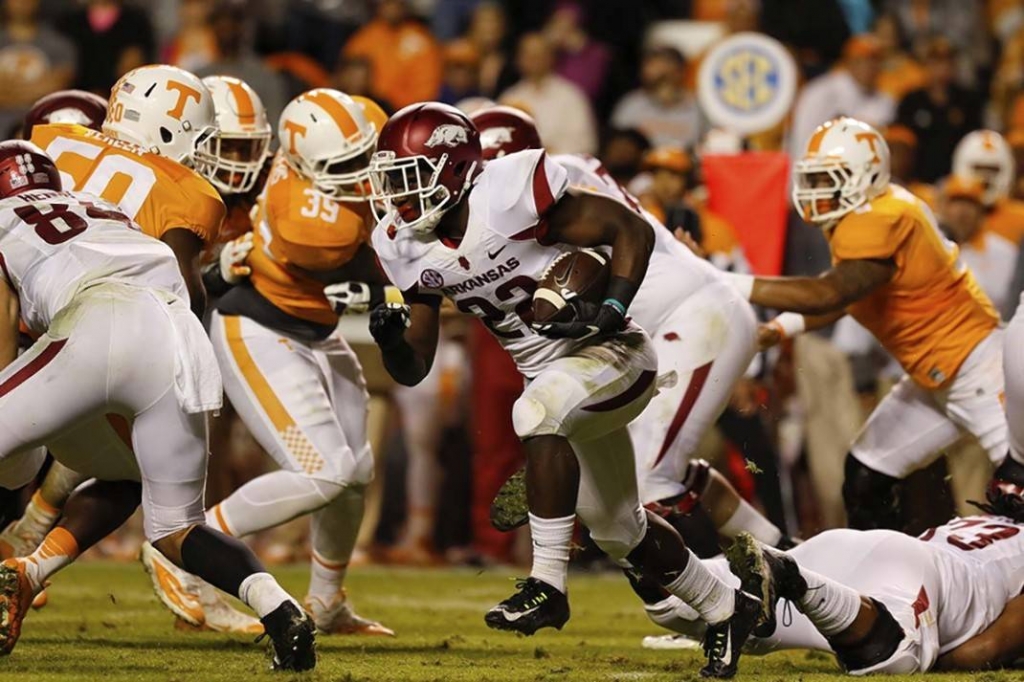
356	298
388	323
588	319
233	259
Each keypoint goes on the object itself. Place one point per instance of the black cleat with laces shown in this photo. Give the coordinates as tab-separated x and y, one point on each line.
292	634
536	605
723	642
767	574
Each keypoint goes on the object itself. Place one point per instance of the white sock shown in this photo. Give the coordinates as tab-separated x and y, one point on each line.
262	594
831	606
325	577
748	519
335	528
551	543
704	591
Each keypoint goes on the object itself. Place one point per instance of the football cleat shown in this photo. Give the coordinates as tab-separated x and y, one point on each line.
509	509
15	599
292	636
176	589
536	605
220	616
723	642
337	617
767	574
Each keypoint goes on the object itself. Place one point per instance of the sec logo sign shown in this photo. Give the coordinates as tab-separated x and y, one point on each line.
747	83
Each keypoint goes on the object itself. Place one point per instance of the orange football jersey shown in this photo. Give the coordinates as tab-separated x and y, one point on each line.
1006	219
299	230
156	192
932	314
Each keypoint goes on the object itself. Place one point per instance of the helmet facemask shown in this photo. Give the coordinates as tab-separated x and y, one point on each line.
411	187
825	190
232	161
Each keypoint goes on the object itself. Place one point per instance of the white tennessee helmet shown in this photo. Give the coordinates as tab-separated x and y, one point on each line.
986	156
163	109
327	138
233	158
845	165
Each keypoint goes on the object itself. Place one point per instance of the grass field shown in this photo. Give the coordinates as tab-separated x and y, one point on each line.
103	624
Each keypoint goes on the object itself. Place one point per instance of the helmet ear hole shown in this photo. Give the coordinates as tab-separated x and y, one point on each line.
166	135
460	168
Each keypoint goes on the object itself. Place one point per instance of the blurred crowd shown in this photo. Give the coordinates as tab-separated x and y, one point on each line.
616	79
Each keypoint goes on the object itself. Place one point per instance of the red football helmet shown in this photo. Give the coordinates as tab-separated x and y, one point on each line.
67	106
427	156
505	130
25	167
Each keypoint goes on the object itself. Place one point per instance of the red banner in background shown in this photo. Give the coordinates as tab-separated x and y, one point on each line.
749	191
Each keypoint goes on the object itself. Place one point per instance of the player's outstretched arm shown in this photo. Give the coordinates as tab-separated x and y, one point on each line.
407	336
590	220
187	247
8	324
846	283
998	646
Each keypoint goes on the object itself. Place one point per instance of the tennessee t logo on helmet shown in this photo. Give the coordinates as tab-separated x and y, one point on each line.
185	93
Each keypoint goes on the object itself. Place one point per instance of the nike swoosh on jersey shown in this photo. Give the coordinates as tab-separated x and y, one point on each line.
494	255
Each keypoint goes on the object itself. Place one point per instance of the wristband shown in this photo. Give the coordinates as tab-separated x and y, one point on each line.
615	304
744	284
790	324
622	291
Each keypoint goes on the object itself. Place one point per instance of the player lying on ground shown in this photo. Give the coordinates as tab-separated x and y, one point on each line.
484	237
897	275
97	291
885	602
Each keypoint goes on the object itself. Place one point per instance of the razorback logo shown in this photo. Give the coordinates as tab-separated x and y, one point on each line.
185	93
872	139
449	135
493	138
293	130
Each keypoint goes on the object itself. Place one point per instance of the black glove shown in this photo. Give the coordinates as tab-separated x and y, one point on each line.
589	319
388	323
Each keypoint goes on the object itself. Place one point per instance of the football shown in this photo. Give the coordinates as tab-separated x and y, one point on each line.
582	274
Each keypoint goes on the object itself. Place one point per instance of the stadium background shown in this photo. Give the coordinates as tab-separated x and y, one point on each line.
616	79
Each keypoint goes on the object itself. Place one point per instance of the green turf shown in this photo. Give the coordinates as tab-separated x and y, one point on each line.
103	624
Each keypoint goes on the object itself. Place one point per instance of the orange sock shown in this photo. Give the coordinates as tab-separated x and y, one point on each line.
59	549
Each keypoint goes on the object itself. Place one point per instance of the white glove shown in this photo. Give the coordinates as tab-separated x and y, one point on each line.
356	298
233	267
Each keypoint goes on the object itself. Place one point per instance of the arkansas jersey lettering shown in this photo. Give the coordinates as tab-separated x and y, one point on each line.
488	277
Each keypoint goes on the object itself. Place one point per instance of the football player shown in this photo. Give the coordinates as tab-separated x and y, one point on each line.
701	330
73	107
899	277
885	602
986	156
289	374
81	276
483	236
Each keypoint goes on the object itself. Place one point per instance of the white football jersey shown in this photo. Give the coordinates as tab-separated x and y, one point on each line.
993	260
493	272
674	272
981	566
54	244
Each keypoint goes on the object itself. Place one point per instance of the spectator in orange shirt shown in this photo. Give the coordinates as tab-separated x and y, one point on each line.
406	58
194	45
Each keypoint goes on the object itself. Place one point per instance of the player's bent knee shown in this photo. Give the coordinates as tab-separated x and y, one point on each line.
618	536
872	499
530	418
886	648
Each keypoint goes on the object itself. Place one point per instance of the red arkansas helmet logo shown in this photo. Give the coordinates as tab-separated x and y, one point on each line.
449	135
